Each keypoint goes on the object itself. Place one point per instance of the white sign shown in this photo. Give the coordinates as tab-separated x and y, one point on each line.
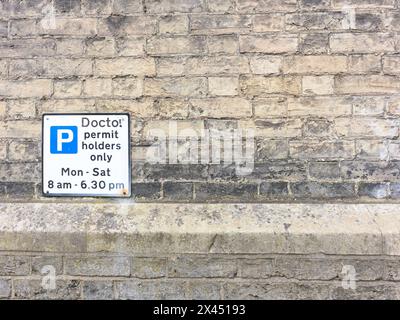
86	155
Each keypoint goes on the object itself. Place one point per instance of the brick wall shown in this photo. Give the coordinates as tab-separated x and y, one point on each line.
318	81
196	277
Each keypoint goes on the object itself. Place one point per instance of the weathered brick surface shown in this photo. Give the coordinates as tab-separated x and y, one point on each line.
319	89
214	276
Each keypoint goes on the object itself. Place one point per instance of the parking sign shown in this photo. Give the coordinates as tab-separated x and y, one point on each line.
86	155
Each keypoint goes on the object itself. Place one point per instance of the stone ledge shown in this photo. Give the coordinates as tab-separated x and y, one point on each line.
129	228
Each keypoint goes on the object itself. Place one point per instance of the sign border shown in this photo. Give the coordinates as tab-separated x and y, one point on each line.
129	195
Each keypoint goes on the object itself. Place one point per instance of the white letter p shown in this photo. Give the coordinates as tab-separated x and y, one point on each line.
61	140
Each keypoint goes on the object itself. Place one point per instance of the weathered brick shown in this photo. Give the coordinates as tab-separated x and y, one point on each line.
270	107
3	28
130	46
225	191
199	290
62	27
324	170
335	20
72	105
374	190
362	43
273	190
127	87
150	290
220	108
23	8
394	150
315	4
268	22
367	84
369	21
314	43
266	5
173	87
148	268
162	6
96	7
200	267
98	266
25	150
67	88
51	67
20	129
5	288
318	85
33	289
315	64
178	191
372	150
19	190
146	190
318	128
193	45
366	105
364	3
319	106
268	44
395	190
321	150
97	87
391	65
276	291
125	66
26	89
271	149
316	190
127	6
21	109
223	86
261	86
171	66
19	172
221	5
217	65
70	47
100	47
98	290
366	292
228	44
366	128
172	108
118	25
14	265
368	170
266	65
67	6
3	149
220	24
173	24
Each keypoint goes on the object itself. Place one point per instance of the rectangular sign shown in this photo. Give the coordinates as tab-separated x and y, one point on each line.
86	155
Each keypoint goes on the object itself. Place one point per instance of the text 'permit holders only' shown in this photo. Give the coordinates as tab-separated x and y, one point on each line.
86	155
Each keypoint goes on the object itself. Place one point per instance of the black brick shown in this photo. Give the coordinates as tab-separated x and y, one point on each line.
146	191
373	190
225	191
274	190
315	190
178	191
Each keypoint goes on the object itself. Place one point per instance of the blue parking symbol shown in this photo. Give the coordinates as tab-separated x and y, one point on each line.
64	140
